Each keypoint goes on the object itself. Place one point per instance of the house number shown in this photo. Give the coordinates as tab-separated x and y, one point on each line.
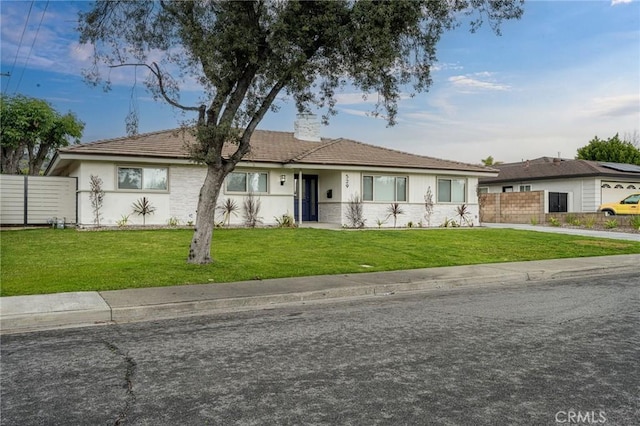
347	181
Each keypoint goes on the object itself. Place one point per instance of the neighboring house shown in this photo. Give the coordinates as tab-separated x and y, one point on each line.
572	185
297	174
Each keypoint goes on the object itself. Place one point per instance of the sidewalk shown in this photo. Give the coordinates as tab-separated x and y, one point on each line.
40	312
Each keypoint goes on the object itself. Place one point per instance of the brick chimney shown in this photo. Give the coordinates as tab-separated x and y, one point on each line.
307	127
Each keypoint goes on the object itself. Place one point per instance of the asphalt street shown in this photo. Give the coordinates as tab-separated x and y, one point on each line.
543	353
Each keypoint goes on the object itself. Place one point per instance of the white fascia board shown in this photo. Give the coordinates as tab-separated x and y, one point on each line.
402	170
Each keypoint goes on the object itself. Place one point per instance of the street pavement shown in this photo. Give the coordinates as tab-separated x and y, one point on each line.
40	312
537	354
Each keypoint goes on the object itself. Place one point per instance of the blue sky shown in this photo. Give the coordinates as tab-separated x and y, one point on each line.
564	73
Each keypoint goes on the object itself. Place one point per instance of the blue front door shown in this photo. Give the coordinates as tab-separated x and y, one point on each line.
309	198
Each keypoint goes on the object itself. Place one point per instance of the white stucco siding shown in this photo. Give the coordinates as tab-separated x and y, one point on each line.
590	195
184	186
272	207
376	214
119	203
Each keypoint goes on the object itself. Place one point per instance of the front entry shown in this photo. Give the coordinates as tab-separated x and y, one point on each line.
309	198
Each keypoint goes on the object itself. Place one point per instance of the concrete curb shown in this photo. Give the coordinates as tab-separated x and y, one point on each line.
41	312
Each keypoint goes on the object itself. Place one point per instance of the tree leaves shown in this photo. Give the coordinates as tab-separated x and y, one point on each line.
33	128
612	150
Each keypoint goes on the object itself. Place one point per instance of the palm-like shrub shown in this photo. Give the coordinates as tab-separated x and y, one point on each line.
143	208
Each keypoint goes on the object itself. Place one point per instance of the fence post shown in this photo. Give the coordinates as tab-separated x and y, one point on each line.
26	200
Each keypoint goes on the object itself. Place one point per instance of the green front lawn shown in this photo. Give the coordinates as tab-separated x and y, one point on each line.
41	261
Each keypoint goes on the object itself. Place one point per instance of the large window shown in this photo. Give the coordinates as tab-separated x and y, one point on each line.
247	182
148	178
452	190
384	188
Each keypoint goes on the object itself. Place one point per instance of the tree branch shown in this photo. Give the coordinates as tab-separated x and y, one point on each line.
158	74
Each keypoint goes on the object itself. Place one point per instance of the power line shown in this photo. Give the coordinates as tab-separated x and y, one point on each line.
32	44
19	47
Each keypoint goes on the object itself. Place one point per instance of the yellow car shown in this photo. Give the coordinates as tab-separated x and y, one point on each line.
630	205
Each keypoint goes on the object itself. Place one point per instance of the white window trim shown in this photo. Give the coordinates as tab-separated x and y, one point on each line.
395	188
451	179
141	167
265	172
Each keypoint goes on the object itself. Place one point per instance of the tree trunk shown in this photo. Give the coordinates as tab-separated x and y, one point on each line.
200	250
10	161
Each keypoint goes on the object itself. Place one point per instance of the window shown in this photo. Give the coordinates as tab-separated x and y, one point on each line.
384	188
606	186
618	186
483	190
525	188
149	178
452	190
631	187
246	182
507	189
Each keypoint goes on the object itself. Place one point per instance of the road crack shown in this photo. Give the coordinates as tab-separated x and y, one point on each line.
130	371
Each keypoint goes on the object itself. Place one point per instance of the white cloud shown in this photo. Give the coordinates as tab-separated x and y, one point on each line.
469	83
614	106
617	2
354	98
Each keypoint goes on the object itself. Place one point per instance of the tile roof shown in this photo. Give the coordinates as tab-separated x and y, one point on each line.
272	147
555	168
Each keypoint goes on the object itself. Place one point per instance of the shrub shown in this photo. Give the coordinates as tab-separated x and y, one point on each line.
589	222
96	196
463	214
573	220
554	221
449	223
395	210
634	221
355	212
285	221
173	221
611	224
428	205
123	221
228	207
251	210
143	208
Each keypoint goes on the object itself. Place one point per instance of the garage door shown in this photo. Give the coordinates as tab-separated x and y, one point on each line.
612	191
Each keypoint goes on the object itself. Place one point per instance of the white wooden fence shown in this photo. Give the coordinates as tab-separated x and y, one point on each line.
37	200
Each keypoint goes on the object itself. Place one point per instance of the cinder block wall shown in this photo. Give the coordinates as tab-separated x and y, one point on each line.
512	207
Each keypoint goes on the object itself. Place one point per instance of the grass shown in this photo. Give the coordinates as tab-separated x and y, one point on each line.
40	261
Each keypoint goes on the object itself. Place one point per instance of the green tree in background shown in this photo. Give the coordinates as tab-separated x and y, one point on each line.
244	54
489	161
612	150
31	128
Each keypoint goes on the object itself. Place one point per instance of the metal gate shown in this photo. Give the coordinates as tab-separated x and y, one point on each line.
558	202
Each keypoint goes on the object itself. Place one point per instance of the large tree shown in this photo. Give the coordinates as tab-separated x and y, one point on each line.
32	129
245	53
612	150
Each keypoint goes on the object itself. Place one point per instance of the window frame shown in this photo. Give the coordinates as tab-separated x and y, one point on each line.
142	179
395	178
524	188
451	180
246	180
